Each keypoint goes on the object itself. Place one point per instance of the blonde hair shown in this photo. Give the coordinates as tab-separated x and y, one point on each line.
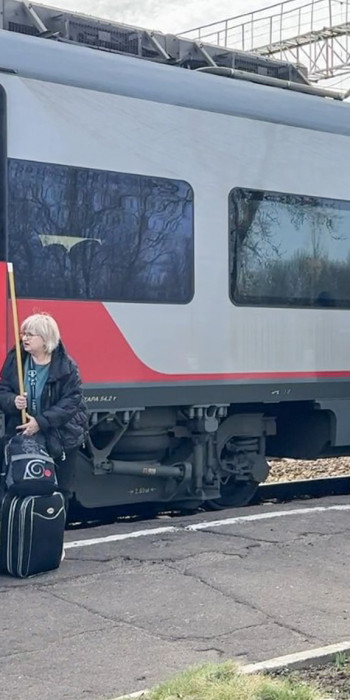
45	326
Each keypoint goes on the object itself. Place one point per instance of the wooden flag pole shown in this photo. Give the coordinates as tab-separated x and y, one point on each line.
16	331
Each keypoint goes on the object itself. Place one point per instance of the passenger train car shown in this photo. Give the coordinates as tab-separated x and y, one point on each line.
191	235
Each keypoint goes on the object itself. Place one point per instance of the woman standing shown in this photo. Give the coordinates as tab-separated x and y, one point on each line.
53	396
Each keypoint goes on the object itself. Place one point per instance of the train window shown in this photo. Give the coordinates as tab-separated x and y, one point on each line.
289	250
76	233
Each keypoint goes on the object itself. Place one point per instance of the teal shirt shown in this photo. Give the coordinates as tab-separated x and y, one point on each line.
42	373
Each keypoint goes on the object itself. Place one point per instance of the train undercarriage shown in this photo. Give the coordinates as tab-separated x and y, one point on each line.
192	456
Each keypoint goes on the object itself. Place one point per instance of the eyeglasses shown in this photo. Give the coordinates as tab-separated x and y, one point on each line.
28	335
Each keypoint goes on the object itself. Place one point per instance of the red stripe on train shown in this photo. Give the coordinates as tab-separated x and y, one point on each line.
104	355
3	310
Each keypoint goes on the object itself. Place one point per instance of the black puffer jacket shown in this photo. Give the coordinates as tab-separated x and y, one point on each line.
63	417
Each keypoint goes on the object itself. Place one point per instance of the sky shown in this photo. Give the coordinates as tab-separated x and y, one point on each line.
171	16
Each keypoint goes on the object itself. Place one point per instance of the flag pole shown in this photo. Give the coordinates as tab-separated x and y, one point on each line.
17	339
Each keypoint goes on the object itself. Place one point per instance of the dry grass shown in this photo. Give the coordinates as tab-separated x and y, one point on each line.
225	682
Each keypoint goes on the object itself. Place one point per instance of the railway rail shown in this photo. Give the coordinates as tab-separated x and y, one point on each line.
304	488
276	492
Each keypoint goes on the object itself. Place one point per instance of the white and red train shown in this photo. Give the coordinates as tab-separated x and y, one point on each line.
191	235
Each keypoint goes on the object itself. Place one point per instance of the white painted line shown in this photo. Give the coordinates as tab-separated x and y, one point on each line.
118	538
142	694
301	659
263	516
206	525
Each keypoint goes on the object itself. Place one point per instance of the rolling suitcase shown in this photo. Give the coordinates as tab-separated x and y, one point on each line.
31	534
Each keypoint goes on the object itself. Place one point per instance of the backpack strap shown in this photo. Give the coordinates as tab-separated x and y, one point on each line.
32	376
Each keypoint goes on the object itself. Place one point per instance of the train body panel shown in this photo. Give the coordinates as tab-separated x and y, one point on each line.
80	67
99	132
189	234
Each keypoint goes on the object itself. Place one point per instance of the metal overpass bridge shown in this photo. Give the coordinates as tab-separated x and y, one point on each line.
314	34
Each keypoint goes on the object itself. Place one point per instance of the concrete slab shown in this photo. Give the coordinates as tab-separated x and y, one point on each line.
120	616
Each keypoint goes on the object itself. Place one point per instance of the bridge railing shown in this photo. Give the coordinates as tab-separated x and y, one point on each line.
272	24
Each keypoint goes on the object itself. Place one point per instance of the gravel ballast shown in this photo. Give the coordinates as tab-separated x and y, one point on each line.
293	469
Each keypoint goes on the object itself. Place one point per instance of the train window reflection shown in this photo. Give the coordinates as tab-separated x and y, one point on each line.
76	233
289	250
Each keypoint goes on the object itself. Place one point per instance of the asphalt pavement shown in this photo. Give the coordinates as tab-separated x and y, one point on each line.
121	614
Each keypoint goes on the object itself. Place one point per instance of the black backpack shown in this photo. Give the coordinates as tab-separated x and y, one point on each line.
28	468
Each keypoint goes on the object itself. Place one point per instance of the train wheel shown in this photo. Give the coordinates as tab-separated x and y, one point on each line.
234	494
242	467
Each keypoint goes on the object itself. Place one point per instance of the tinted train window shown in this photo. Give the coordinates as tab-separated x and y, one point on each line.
289	250
89	234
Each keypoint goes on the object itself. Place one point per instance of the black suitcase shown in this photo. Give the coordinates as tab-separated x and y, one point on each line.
31	534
